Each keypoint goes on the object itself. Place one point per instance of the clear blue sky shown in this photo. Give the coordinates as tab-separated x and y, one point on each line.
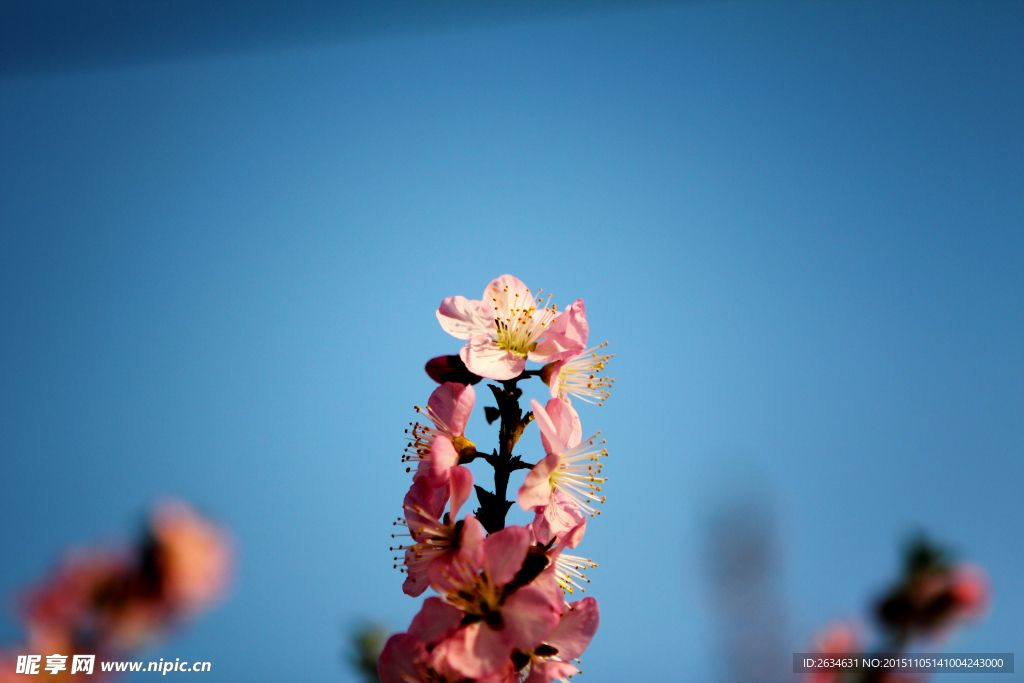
800	225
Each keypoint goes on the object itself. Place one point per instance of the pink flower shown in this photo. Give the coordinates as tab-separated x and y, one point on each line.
437	449
568	476
119	601
969	589
507	327
195	557
579	375
406	658
838	638
575	630
436	539
509	603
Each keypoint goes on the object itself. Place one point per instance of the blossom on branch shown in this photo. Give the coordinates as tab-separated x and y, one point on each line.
567	479
507	326
438	448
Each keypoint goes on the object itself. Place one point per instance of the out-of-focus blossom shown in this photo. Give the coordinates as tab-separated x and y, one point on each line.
933	600
509	603
570	469
437	449
450	369
506	327
838	638
579	375
116	601
194	558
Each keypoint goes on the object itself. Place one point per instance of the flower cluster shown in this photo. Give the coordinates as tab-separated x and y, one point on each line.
926	605
110	602
500	613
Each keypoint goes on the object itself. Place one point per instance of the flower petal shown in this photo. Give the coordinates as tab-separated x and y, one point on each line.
435	621
452	403
483	357
566	421
529	616
463	318
504	552
475	651
567	335
399	659
576	628
536	488
547	670
559	519
461	486
443	457
424	505
506	293
548	430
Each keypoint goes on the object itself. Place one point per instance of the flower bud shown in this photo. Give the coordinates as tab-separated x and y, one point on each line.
450	369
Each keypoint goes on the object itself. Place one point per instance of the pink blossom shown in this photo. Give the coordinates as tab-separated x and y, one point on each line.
579	375
506	327
575	630
118	600
437	449
195	557
437	537
505	611
568	476
969	589
838	638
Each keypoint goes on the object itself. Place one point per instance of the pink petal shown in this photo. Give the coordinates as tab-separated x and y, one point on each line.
496	296
399	659
567	335
559	518
417	579
463	318
504	552
573	538
548	429
566	421
435	621
483	357
529	617
443	457
452	403
506	674
536	488
475	651
471	543
431	500
576	628
462	486
547	670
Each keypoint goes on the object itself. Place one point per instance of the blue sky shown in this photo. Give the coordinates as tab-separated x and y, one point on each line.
800	226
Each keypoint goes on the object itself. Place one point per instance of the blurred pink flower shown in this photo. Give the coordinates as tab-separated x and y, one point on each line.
838	638
115	601
437	449
506	328
566	481
195	557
